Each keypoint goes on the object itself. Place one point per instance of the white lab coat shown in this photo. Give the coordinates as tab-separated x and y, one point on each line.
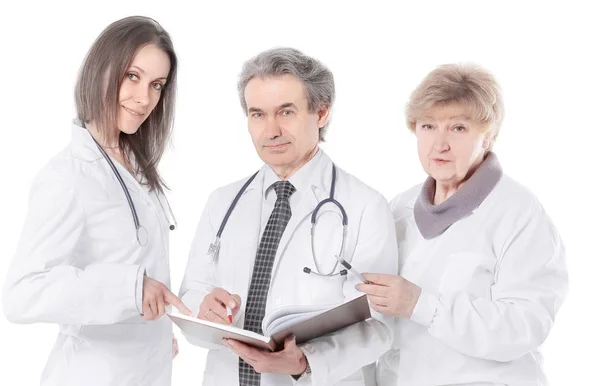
78	265
370	246
491	286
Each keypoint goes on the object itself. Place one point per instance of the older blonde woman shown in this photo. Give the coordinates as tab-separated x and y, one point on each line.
482	271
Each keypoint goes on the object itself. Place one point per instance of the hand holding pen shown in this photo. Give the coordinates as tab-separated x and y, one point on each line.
352	270
219	306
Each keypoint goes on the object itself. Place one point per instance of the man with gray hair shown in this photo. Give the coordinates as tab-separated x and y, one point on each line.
274	237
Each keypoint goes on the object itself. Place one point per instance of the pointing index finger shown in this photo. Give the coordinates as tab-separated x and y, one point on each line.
177	303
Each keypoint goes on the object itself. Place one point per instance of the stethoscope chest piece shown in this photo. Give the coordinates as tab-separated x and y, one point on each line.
142	236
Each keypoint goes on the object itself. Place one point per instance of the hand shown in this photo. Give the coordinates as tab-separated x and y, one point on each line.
391	294
175	347
156	296
213	306
290	360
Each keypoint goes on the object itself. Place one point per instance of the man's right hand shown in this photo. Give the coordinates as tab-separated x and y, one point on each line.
213	306
156	296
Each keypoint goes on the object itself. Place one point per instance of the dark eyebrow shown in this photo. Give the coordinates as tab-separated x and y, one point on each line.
143	72
280	107
139	69
286	105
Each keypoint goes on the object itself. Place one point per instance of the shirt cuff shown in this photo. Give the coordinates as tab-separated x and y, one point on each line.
425	309
139	289
305	376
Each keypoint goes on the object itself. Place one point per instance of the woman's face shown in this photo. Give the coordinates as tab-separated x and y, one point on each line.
450	143
141	88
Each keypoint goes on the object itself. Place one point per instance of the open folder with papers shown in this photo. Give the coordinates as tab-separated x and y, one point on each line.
304	322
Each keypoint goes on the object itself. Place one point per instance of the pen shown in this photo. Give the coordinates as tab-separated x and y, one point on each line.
352	270
229	314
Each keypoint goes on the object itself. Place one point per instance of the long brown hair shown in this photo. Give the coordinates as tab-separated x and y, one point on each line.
99	81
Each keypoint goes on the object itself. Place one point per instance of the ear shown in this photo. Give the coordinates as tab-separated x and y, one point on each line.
486	144
488	141
322	116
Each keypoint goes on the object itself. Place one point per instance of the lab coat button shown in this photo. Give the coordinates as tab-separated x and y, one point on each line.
277	301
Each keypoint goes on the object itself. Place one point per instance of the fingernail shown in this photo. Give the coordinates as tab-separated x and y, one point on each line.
232	304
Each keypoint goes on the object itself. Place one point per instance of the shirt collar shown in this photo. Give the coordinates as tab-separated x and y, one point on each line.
85	148
301	179
82	144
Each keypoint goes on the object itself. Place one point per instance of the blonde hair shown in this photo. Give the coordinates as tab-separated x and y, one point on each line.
466	84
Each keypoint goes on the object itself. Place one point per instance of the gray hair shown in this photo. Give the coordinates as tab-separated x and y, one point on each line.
317	79
99	81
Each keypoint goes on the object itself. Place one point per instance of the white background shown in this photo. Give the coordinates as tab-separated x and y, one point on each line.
544	55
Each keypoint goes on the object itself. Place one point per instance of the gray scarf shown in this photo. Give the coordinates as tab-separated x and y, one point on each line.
433	220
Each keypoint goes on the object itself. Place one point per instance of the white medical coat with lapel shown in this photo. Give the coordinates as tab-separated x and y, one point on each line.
78	265
491	284
336	359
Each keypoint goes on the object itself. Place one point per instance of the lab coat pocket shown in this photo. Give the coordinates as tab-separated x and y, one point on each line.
469	272
109	223
325	289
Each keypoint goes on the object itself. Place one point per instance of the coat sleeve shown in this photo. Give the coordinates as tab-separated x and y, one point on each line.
200	274
43	285
531	284
337	356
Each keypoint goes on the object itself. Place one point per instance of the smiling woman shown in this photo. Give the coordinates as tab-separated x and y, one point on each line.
80	262
129	86
141	88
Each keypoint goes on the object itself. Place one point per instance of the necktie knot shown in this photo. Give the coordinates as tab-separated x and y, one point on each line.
284	189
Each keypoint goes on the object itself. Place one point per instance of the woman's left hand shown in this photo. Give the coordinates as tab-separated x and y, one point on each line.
390	294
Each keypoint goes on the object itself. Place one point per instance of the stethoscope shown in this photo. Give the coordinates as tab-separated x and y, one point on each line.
141	234
214	247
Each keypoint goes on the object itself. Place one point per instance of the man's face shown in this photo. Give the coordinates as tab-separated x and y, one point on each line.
282	128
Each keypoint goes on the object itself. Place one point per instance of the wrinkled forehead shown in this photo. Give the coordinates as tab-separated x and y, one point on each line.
272	92
451	110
